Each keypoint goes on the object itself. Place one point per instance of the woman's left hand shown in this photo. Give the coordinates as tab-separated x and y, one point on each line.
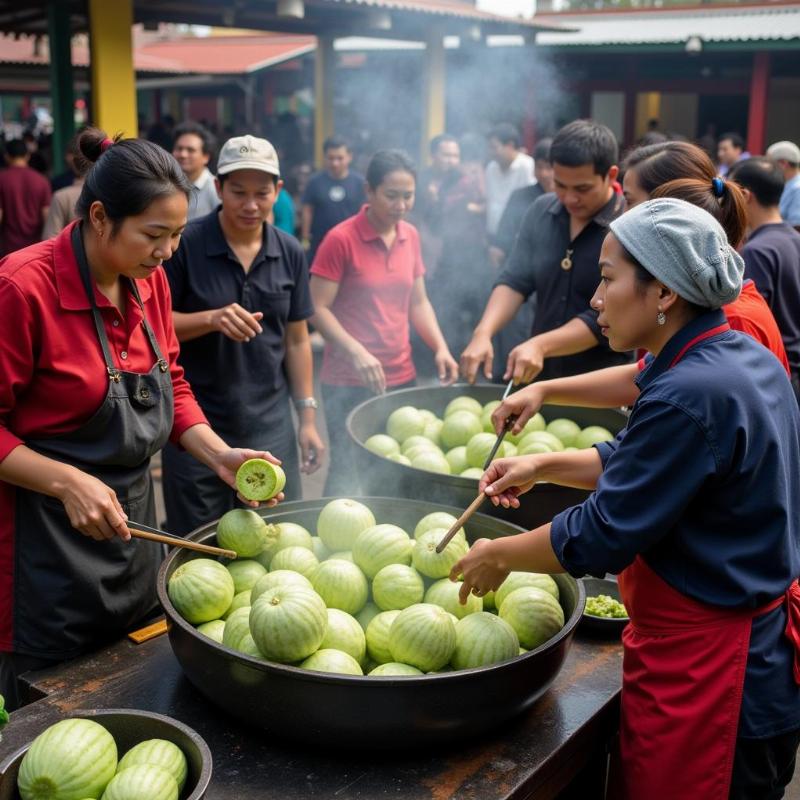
446	366
479	571
311	448
228	461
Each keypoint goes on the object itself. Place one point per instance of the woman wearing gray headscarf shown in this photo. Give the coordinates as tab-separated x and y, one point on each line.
696	506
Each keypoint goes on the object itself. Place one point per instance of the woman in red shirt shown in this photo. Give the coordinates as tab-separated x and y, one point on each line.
367	284
90	390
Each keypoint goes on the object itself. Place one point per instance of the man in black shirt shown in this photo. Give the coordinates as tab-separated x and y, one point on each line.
772	253
331	196
556	255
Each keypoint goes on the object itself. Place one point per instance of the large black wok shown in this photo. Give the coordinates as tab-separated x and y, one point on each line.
357	712
379	475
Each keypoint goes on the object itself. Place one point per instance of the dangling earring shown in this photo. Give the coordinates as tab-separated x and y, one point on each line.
661	318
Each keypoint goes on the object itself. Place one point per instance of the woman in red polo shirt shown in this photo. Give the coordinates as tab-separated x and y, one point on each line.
367	284
90	390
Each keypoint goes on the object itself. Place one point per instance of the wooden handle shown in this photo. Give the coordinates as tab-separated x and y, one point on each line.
174	541
149	632
460	522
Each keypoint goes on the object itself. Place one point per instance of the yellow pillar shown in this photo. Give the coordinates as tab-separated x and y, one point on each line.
113	76
323	94
434	108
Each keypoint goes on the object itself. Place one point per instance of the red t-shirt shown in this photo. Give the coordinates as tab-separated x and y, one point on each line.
54	375
24	194
374	295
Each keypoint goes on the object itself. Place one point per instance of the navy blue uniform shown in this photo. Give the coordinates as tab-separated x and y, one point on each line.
703	483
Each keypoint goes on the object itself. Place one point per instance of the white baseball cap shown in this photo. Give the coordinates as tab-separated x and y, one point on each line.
784	151
248	152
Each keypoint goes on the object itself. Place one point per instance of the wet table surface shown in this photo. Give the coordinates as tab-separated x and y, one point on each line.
535	756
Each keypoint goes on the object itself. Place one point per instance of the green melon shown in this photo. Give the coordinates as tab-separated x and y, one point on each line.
379	546
280	577
213	629
73	759
201	590
541	437
288	623
417	441
459	428
298	559
318	548
591	436
431	461
382	445
290	534
486	415
245	572
479	447
444	593
534	448
341	585
473	473
239	601
342	555
437	519
400	459
516	580
142	782
535	423
463	403
564	429
345	634
237	626
424	636
483	639
395	669
457	459
329	660
404	422
161	753
420	449
426	560
367	614
340	522
534	614
244	532
427	414
378	636
433	430
397	586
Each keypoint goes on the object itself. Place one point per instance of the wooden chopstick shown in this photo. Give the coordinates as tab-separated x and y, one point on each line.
473	507
149	632
175	541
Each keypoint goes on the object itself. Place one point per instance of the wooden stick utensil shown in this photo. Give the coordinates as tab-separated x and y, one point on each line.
509	423
460	522
175	541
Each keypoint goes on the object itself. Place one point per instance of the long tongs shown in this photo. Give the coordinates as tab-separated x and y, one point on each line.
141	531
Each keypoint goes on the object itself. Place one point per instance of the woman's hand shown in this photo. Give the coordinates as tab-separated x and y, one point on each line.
525	362
522	404
311	447
237	323
93	508
446	366
479	352
479	570
369	369
227	462
507	478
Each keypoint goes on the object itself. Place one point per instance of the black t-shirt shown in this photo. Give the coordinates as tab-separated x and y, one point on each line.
333	202
772	260
562	294
241	386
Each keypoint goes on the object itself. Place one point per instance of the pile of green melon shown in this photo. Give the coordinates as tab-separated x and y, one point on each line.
77	758
460	443
358	597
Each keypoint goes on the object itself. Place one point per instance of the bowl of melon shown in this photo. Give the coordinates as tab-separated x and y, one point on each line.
110	754
337	624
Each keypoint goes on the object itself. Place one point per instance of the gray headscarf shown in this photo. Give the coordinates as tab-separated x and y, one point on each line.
685	248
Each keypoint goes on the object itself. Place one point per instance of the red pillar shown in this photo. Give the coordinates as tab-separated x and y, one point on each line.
757	114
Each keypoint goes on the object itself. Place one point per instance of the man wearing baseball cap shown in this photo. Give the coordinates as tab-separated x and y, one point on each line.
787	156
240	302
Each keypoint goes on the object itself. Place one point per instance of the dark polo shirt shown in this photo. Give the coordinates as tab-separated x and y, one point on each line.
562	294
239	385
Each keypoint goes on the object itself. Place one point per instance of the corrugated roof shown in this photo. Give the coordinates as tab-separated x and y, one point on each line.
449	8
662	26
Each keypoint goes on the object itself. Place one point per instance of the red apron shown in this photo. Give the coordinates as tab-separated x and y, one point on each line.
683	679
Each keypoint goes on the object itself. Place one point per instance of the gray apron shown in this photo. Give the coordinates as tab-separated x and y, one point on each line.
70	591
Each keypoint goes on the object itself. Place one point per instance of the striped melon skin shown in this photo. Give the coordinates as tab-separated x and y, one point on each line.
367	614
483	639
397	586
298	559
396	669
71	760
280	577
340	522
424	636
245	572
142	782
201	590
288	534
288	623
244	531
161	753
240	600
318	548
345	634
333	661
516	580
380	546
444	593
341	585
378	636
534	614
437	519
237	626
437	565
213	629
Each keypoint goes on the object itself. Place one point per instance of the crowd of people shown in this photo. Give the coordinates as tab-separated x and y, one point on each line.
166	300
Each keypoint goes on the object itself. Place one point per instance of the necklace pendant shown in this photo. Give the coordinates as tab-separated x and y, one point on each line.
566	263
